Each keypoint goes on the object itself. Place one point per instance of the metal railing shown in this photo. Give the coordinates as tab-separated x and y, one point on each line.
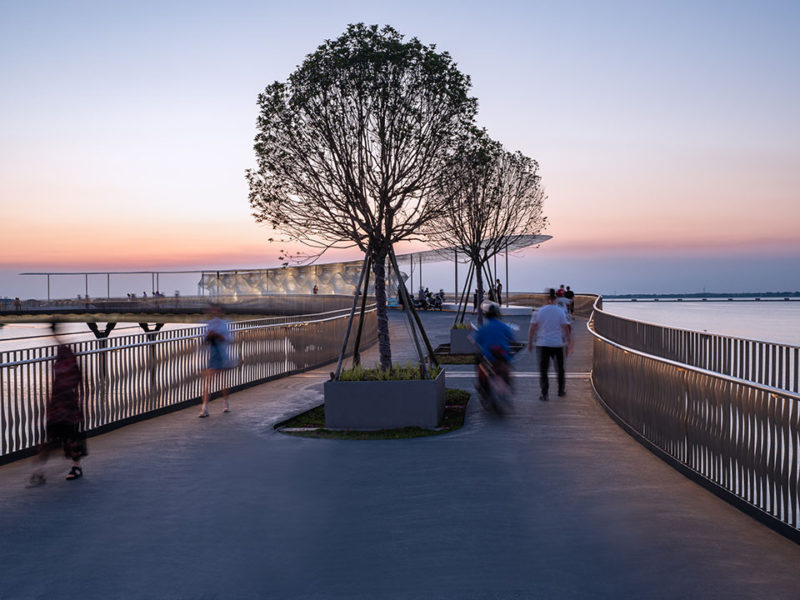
127	378
738	436
767	363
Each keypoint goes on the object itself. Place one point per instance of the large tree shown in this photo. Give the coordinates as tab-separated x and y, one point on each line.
352	149
493	198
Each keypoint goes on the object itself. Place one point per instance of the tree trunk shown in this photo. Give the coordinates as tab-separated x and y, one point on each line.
479	275
384	347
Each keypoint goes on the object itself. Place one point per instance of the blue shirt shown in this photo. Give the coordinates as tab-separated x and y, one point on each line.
494	333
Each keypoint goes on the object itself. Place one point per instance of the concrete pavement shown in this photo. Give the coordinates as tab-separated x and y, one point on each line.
556	502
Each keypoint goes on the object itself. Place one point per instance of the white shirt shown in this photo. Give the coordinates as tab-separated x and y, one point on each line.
550	320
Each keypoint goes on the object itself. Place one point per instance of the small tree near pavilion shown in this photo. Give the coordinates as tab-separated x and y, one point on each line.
352	149
494	198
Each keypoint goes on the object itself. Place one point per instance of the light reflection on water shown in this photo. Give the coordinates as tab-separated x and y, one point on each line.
771	321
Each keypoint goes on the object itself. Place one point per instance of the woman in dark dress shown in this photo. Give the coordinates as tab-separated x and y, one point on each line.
64	415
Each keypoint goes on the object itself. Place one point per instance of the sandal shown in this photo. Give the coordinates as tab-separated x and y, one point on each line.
36	480
74	473
203	415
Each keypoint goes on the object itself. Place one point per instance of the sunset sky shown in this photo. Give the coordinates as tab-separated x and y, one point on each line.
666	132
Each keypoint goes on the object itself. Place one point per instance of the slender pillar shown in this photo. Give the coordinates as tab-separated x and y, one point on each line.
507	288
496	276
420	272
146	328
108	286
101	335
86	284
455	288
48	287
412	272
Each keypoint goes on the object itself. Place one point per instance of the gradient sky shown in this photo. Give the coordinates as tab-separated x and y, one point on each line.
667	132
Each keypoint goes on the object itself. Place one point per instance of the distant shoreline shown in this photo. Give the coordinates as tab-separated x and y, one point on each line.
700	296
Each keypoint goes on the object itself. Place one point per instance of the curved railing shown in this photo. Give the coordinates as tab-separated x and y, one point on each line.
700	402
132	377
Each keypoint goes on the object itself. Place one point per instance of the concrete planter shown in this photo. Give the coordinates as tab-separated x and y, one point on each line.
384	404
460	343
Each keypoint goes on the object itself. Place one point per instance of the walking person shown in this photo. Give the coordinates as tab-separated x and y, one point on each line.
499	287
550	327
217	337
570	296
63	415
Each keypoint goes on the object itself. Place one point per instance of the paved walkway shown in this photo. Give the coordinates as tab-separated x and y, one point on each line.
557	502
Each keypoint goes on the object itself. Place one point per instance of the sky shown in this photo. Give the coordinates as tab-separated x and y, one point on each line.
666	134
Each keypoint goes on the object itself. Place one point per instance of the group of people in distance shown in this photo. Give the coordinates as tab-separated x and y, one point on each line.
493	294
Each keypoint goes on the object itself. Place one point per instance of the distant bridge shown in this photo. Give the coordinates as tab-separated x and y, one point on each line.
182	309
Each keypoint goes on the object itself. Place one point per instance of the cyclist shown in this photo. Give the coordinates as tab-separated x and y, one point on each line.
494	340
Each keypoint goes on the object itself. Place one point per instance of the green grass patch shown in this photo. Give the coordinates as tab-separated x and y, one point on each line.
408	371
311	423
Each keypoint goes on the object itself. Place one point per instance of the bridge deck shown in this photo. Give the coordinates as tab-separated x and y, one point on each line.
557	502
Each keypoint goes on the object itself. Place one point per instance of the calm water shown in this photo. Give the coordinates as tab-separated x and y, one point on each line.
33	335
772	321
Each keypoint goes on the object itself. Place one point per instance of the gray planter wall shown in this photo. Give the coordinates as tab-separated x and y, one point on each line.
460	343
384	404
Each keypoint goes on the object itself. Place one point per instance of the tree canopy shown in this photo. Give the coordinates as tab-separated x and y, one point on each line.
353	149
493	197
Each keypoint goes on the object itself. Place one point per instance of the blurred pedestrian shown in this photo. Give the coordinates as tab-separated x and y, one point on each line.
217	338
570	295
63	415
551	330
499	287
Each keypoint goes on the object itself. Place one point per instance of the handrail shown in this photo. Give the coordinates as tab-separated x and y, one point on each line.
151	342
738	437
132	377
772	364
732	337
706	372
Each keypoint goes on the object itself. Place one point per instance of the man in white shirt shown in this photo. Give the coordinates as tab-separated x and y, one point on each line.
550	327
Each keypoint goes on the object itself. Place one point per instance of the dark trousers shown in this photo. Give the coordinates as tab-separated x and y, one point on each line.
545	354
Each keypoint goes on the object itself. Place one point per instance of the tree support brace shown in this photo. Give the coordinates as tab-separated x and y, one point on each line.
410	307
464	298
356	355
350	320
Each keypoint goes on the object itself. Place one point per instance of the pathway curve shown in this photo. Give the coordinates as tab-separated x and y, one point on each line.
557	502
